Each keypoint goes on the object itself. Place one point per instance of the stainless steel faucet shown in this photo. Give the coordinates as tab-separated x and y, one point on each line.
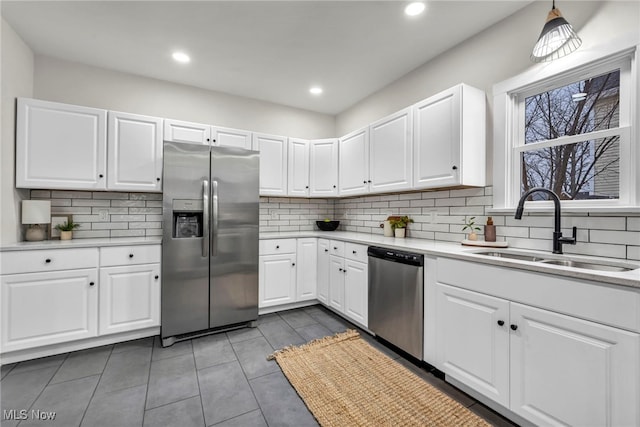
558	240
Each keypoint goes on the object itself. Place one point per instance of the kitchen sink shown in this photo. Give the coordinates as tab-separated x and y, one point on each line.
614	267
587	265
519	257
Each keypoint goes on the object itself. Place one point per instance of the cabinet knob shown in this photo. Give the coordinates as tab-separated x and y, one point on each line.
369	181
326	250
454	167
364	182
339	269
293	264
48	260
306	186
101	176
158	179
500	322
354	252
335	248
208	139
514	327
130	255
277	246
334	186
156	277
213	140
91	283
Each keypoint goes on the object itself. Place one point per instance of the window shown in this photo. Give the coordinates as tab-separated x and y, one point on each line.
572	133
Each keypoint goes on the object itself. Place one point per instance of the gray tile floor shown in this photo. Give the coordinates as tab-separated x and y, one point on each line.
222	380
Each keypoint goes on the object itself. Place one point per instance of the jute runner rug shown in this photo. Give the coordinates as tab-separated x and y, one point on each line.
345	382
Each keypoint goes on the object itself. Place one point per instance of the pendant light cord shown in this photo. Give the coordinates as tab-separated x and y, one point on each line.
553	5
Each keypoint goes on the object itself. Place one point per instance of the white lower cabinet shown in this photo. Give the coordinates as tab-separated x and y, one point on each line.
549	368
356	289
336	283
277	279
348	280
129	298
48	308
322	279
306	277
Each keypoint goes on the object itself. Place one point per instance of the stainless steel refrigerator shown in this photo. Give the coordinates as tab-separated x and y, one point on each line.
210	239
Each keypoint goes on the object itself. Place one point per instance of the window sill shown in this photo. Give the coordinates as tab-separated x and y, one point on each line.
602	210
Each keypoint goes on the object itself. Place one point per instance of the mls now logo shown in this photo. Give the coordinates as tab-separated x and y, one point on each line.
23	414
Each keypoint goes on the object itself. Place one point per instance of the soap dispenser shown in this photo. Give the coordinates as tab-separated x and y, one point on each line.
490	231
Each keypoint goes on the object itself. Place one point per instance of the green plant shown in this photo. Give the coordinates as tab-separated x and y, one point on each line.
401	222
470	225
67	226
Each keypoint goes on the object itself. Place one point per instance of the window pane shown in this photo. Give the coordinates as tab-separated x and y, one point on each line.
577	108
586	170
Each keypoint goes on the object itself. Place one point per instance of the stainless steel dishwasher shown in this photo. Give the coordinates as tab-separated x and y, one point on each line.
396	302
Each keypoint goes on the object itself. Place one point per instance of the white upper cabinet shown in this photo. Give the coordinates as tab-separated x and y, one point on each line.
60	146
391	145
225	137
195	133
449	139
135	152
298	167
273	163
323	170
354	163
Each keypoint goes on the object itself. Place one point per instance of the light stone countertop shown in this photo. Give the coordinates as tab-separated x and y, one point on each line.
428	247
469	253
82	243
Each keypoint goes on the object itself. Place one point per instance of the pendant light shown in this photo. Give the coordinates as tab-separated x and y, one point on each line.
557	38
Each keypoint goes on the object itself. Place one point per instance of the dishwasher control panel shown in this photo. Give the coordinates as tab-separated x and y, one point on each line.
396	255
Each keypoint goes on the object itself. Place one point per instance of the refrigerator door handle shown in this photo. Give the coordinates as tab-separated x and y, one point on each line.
205	219
214	234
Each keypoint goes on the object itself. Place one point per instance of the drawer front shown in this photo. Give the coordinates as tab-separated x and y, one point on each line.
130	255
14	262
277	246
336	248
356	252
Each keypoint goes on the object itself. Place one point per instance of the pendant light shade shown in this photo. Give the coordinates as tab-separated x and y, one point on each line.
556	40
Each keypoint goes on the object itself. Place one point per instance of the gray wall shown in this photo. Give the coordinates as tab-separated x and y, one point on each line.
17	80
74	83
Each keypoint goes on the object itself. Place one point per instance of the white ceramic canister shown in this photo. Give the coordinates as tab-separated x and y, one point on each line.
388	232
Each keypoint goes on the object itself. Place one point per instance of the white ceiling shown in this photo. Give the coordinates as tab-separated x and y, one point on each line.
269	50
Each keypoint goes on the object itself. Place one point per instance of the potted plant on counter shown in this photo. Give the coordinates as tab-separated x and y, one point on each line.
66	229
399	225
472	227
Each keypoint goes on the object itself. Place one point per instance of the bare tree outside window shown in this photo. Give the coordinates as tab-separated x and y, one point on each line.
584	170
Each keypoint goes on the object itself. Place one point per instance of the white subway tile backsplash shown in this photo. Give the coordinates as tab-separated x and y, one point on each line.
57	194
70	210
455	201
633	252
110	195
128	203
127	233
127	218
615	237
90	202
633	224
467	192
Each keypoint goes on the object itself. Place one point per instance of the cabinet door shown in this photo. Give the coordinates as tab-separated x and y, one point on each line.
277	279
307	260
135	152
298	165
129	298
353	163
225	137
568	371
60	146
48	308
323	169
323	271
391	145
273	163
437	139
195	133
473	340
336	283
356	292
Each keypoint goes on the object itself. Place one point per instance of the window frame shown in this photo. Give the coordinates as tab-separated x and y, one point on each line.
509	129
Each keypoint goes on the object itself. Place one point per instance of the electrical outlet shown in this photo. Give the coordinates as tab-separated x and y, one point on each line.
103	214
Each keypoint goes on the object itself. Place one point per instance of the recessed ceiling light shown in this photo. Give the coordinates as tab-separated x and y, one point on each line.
181	57
415	8
315	90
